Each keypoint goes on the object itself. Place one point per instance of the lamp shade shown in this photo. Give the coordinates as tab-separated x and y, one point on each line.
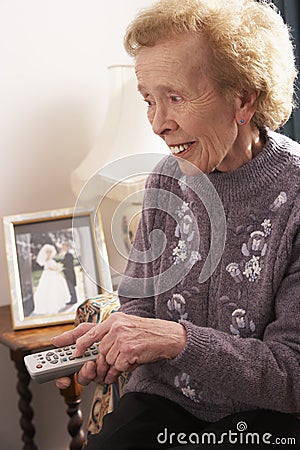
126	131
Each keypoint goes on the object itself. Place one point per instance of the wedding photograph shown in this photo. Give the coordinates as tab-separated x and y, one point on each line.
53	266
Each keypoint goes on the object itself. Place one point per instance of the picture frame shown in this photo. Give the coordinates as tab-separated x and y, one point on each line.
56	260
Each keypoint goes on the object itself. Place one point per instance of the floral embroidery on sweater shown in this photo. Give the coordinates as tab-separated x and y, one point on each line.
185	232
279	201
182	382
177	307
255	248
241	325
180	252
252	268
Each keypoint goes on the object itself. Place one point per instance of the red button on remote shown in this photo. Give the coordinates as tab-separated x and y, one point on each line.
39	366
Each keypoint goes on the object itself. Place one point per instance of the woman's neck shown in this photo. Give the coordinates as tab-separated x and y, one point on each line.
249	143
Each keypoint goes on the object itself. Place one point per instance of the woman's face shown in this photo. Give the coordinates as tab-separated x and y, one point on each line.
184	107
48	254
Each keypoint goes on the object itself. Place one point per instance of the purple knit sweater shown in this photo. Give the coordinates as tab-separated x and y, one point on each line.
243	322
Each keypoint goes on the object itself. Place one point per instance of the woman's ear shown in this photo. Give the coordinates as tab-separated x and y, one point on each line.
246	107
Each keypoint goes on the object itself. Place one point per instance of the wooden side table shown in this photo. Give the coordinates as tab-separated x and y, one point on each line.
21	343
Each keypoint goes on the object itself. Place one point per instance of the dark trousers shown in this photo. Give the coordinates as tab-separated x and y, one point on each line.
72	291
144	421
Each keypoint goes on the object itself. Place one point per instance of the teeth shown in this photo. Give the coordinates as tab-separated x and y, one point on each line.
180	148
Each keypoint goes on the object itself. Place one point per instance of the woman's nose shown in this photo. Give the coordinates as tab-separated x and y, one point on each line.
161	122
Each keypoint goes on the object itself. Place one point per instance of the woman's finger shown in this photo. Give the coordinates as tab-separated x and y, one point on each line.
102	368
70	337
92	335
87	373
112	375
63	382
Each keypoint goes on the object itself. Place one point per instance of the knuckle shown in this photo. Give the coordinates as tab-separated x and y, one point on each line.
133	360
82	326
100	358
110	359
117	326
117	316
87	373
88	369
102	364
93	331
120	366
128	348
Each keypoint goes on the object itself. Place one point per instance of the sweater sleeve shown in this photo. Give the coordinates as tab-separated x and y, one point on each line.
269	368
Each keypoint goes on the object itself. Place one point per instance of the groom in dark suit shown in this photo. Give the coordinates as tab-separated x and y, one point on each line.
69	272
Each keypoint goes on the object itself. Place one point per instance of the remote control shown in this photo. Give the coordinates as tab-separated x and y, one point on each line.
58	362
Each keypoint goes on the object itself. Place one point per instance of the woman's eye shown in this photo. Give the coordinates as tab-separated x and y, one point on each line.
176	98
149	102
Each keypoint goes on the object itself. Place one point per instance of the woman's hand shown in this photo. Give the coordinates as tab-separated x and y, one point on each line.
124	343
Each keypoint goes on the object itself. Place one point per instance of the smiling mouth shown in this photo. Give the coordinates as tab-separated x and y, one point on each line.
178	149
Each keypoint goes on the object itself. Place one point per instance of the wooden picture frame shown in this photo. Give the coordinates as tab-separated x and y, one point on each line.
56	260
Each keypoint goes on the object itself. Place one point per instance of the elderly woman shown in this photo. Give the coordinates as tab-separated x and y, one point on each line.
219	355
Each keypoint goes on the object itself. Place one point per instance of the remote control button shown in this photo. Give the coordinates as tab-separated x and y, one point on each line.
71	358
49	354
66	348
55	356
48	358
69	353
54	361
95	352
63	360
87	354
73	347
39	366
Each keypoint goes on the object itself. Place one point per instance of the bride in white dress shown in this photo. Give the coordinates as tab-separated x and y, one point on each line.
52	291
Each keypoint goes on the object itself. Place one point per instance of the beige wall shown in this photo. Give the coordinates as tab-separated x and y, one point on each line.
53	90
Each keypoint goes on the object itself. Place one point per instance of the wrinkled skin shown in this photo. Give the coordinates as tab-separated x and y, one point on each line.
124	343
